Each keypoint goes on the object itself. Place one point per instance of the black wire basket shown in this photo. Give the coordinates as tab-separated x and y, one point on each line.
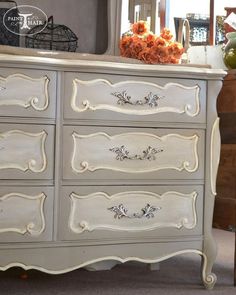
52	37
7	37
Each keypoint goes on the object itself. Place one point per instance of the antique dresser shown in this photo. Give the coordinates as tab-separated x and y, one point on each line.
106	161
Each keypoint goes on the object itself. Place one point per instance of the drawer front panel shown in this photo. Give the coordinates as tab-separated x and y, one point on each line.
27	93
26	213
135	153
129	98
135	209
26	151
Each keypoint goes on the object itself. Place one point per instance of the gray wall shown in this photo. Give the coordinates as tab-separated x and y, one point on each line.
81	16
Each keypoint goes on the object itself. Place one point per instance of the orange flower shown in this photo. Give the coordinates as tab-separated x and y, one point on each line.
136	46
145	56
166	34
160	54
125	43
139	28
174	60
176	49
150	39
160	41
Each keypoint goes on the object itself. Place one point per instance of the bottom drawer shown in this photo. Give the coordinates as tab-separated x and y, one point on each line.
26	214
130	212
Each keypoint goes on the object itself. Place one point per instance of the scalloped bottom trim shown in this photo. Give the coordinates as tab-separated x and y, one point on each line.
208	279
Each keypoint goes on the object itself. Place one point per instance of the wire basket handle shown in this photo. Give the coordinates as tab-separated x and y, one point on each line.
9	1
50	20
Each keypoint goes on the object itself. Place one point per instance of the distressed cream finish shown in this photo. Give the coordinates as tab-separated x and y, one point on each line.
137	200
31	92
92	212
135	98
27	93
22	150
22	213
134	152
127	98
26	214
25	150
95	160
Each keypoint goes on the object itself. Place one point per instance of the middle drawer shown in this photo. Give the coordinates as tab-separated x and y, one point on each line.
132	153
26	151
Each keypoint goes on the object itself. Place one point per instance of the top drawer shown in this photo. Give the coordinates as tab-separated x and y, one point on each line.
126	98
27	93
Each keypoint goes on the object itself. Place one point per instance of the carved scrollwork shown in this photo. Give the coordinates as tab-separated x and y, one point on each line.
122	153
32	155
153	211
33	219
151	99
33	92
146	212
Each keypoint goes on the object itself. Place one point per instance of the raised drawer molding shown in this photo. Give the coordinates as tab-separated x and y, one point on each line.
132	211
22	213
22	150
24	91
135	98
134	152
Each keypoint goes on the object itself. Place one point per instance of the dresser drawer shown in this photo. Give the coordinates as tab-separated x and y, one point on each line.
129	212
126	98
26	214
27	93
26	152
132	153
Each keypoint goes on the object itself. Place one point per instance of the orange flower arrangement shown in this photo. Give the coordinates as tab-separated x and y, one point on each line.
139	28
142	44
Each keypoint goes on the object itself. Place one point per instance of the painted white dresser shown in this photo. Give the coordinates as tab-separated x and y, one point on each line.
103	161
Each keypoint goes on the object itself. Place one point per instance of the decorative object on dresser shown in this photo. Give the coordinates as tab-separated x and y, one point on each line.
51	37
8	37
229	54
103	161
226	180
142	44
